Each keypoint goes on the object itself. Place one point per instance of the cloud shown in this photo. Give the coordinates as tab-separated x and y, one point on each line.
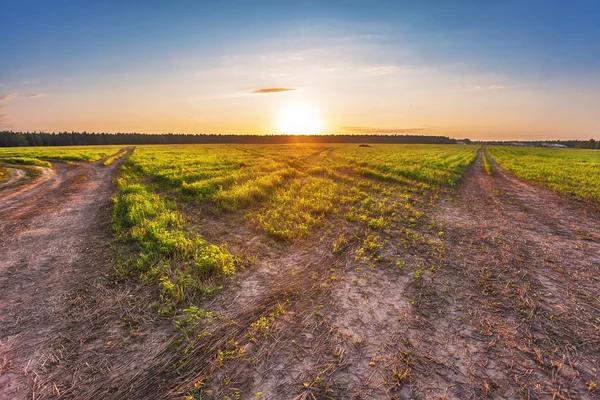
478	88
35	95
272	90
365	130
8	96
381	69
14	95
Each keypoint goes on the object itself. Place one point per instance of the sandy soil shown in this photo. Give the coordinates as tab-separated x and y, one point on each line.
15	176
60	314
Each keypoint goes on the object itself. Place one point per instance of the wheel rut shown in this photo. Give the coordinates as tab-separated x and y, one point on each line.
58	306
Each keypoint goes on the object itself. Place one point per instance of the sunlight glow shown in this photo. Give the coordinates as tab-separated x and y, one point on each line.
299	119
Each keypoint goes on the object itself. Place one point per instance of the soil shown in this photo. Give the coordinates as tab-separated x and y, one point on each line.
15	176
61	313
500	300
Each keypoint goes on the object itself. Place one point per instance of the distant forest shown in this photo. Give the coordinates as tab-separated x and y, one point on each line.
17	139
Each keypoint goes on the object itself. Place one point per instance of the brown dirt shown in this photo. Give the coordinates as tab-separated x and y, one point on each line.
61	315
15	176
521	272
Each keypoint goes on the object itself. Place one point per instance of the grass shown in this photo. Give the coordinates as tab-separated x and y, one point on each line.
68	153
116	156
4	174
26	161
567	171
487	166
181	263
284	192
436	164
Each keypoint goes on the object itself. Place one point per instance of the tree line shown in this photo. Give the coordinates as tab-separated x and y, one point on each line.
15	139
588	144
578	144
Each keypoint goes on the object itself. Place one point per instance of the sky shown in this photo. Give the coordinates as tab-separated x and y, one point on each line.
486	70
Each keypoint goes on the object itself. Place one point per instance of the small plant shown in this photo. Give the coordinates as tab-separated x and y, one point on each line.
340	243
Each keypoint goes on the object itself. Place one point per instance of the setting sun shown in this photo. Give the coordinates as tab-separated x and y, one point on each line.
299	119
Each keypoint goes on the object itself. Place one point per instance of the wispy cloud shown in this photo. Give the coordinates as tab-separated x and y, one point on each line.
479	88
361	130
8	96
272	90
14	95
381	69
35	95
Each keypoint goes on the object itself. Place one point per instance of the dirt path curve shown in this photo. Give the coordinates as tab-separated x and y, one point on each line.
55	233
15	175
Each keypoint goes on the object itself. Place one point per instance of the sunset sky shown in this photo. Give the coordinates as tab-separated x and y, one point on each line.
477	69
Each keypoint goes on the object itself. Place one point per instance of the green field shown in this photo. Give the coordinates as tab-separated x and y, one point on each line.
69	153
4	174
567	171
283	192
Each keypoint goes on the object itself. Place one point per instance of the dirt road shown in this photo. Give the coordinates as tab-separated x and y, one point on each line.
58	310
514	311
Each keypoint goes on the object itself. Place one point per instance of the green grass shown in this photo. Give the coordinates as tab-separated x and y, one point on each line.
116	156
487	167
4	174
438	164
282	192
70	153
567	171
26	161
182	263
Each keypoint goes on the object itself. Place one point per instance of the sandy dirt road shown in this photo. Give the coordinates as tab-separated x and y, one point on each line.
514	308
58	309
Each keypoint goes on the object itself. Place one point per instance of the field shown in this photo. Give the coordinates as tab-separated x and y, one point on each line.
284	192
71	153
300	272
566	171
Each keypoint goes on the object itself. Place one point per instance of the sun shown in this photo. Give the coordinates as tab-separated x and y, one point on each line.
299	119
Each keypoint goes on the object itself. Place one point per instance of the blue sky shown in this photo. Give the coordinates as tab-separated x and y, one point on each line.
509	69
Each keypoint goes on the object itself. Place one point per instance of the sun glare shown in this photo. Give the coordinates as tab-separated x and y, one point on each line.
299	119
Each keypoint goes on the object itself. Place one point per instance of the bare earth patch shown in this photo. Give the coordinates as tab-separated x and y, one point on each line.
61	313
